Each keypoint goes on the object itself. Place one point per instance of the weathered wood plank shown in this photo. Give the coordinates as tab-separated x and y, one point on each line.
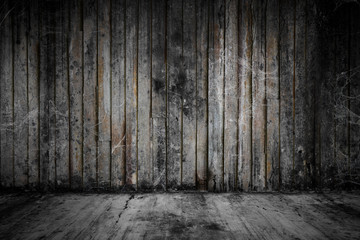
159	91
216	96
33	92
189	96
272	95
202	27
245	112
76	92
118	94
287	10
62	97
131	91
6	88
176	80
231	90
144	100
90	94
258	95
20	95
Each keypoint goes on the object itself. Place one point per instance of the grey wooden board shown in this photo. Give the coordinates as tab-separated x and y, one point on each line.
131	92
231	90
90	95
6	84
189	95
20	95
62	98
118	94
33	92
144	99
104	95
245	108
159	91
202	27
272	95
187	216
216	96
176	80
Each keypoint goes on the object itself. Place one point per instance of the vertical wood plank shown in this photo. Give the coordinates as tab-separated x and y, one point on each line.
159	91
245	112
272	95
201	91
144	101
189	96
118	94
231	95
62	97
20	95
90	94
286	92
6	84
104	94
131	92
176	80
258	94
76	93
33	92
216	96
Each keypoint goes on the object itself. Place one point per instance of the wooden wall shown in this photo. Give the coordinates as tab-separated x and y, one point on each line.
216	95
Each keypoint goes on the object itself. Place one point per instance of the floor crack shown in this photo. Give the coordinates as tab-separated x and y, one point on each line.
125	207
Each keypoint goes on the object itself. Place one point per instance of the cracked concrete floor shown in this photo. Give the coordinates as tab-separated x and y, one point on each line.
180	216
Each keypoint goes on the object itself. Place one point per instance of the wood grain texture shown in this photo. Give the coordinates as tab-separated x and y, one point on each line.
33	92
118	94
202	27
90	94
159	91
272	95
176	80
20	95
287	10
62	97
144	99
245	108
216	96
189	95
231	90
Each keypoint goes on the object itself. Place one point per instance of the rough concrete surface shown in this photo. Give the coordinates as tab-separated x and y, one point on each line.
180	216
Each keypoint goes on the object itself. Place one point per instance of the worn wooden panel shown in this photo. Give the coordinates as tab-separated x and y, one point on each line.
287	11
131	92
231	95
159	91
20	95
245	108
62	97
189	95
355	94
118	94
216	96
6	88
144	100
176	80
76	92
33	92
104	94
202	27
90	95
258	95
272	95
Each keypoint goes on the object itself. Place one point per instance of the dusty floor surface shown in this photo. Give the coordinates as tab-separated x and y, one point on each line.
180	216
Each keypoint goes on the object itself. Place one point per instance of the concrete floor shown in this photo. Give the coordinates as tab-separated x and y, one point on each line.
180	216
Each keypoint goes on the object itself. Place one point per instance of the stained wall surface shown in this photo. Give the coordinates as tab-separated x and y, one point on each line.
220	95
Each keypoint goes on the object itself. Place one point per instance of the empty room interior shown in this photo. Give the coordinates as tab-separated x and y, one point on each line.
180	119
